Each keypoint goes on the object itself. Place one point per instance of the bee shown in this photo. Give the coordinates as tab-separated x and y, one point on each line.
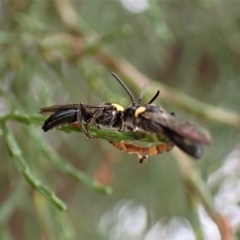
106	115
142	152
147	117
188	136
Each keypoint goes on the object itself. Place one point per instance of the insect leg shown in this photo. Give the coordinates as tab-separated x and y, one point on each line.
142	158
80	116
95	116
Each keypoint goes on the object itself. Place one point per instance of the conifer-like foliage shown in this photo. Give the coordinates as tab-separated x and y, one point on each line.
61	185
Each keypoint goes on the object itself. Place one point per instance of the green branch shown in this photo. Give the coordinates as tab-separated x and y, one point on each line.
61	163
106	134
23	118
23	167
70	170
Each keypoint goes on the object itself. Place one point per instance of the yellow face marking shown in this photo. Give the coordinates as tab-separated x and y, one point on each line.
118	107
139	111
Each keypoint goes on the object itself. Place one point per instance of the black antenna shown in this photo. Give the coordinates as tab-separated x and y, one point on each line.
142	92
153	99
125	87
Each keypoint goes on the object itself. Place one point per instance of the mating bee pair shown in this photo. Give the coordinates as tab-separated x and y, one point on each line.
150	118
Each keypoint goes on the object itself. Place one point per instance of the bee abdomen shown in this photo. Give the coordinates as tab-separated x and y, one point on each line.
60	118
193	148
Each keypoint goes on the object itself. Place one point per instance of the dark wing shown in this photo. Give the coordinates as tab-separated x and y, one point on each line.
186	129
57	108
159	120
186	135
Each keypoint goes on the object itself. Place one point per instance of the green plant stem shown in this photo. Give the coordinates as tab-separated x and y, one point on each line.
64	166
194	218
106	134
23	118
26	172
69	169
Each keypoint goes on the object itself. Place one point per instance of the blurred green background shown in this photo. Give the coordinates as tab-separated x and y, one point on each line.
60	52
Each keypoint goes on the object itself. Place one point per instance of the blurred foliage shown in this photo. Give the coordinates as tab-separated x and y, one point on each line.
59	52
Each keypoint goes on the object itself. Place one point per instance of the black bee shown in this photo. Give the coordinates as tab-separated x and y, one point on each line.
186	135
106	115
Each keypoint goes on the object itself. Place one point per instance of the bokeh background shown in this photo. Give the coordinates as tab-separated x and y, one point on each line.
62	51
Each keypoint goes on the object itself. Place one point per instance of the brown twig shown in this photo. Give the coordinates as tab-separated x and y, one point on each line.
134	77
198	191
130	73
